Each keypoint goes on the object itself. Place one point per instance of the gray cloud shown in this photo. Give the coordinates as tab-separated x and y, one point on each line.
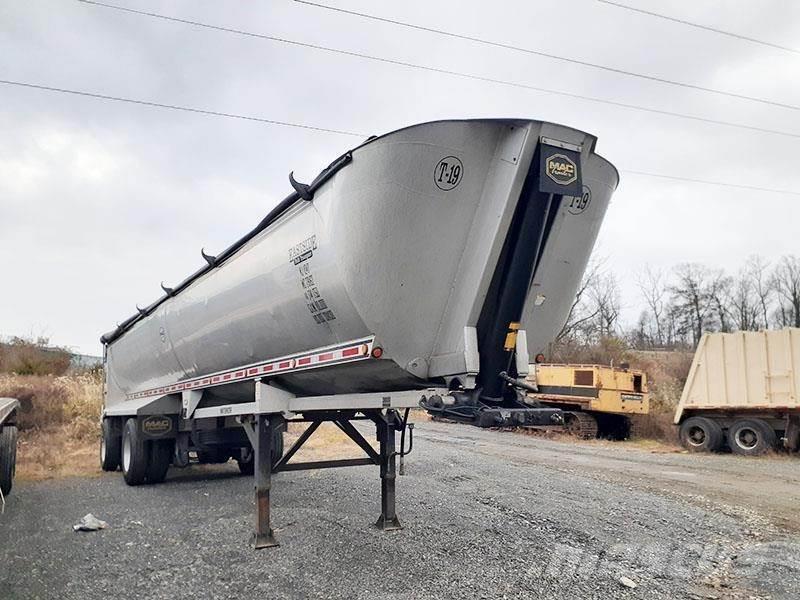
100	201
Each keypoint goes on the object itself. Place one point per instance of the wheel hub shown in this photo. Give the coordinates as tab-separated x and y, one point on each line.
697	436
746	438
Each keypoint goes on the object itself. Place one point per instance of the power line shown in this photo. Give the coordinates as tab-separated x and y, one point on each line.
698	26
177	107
708	182
548	55
446	71
324	129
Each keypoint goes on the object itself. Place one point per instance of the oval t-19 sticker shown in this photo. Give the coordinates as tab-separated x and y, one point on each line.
448	173
580	203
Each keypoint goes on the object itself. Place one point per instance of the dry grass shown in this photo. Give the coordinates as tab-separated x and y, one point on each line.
327	442
33	357
59	423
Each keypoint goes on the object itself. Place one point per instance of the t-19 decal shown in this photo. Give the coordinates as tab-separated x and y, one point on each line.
578	204
448	173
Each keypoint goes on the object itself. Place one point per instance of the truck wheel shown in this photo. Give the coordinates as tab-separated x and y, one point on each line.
110	447
134	454
8	457
213	456
247	460
161	452
750	437
699	434
277	447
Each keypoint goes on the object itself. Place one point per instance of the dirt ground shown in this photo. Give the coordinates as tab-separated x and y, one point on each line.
486	514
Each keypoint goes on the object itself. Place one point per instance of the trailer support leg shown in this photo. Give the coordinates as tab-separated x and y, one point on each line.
264	435
388	520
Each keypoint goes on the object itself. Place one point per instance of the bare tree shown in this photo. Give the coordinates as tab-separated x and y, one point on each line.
580	313
651	285
606	300
786	280
719	292
756	270
745	306
691	299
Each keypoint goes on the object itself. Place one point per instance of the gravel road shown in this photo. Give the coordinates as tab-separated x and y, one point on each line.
486	514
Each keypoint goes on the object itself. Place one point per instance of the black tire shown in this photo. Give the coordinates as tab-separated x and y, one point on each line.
277	447
8	457
110	447
751	437
161	452
699	434
247	460
213	456
134	454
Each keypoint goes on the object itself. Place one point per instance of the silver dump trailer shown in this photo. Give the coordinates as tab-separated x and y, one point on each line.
397	278
8	442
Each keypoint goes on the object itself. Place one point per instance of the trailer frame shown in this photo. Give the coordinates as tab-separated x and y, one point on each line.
265	417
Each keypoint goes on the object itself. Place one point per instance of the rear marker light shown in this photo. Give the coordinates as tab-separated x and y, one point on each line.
377	352
539	358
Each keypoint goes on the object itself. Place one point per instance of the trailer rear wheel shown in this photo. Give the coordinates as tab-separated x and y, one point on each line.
134	454
246	461
8	457
110	447
161	452
750	437
699	434
213	456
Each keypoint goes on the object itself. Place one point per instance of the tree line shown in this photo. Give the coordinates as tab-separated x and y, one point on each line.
679	305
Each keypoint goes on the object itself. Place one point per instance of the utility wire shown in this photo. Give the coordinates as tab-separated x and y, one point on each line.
548	55
445	71
177	107
324	129
708	182
698	26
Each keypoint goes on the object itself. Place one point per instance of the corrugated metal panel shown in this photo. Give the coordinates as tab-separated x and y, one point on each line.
746	369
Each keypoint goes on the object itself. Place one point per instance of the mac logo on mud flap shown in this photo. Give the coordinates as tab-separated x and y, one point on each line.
157	425
561	169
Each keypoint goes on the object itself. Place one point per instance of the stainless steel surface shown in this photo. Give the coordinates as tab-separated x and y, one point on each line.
401	244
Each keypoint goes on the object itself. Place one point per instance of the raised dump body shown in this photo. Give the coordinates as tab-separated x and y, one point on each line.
743	391
397	249
394	277
598	400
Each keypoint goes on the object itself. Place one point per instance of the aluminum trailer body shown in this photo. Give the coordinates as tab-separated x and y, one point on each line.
399	274
8	443
743	391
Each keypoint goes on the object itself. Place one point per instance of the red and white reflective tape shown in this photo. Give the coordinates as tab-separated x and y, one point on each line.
320	357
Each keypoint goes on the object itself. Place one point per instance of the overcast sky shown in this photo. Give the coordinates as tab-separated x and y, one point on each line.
101	201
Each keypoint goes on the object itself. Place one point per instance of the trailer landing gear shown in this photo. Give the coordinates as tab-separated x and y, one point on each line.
261	431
